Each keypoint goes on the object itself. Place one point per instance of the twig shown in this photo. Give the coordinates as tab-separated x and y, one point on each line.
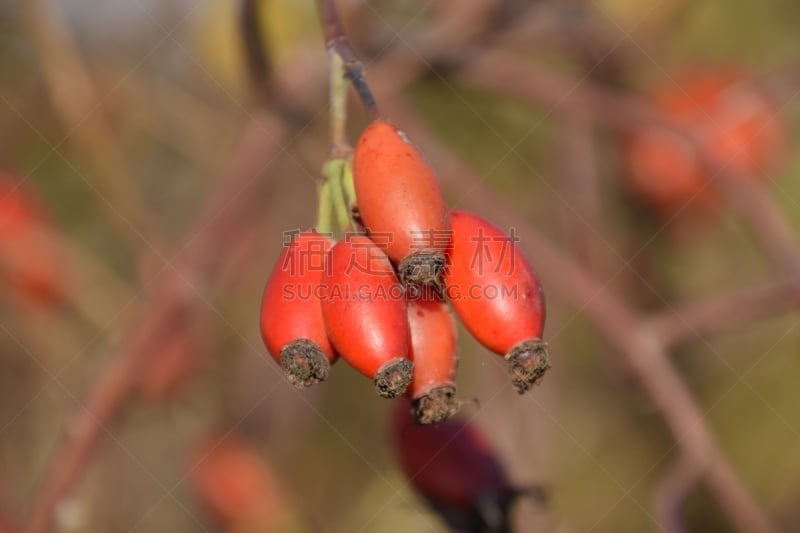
638	350
671	492
216	230
577	179
724	312
336	42
83	434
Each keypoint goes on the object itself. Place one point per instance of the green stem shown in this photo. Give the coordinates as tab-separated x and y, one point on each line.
324	209
334	170
347	183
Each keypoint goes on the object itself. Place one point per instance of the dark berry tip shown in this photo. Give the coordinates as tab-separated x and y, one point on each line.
393	378
424	267
304	363
436	406
528	362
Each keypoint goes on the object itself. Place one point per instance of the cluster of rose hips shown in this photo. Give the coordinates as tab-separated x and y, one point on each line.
379	296
720	116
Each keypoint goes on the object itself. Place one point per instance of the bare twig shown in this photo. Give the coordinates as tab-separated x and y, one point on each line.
671	492
725	312
216	231
81	438
337	42
576	169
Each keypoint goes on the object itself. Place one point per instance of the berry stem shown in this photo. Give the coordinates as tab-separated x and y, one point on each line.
338	45
324	208
333	171
348	185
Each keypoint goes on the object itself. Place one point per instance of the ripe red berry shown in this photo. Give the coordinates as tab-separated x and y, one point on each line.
291	314
434	352
400	202
31	260
453	466
236	485
365	314
497	295
733	122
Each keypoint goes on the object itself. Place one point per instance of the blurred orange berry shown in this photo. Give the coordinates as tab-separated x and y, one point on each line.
237	486
734	123
31	258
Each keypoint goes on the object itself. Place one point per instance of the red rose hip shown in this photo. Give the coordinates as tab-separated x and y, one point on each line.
733	123
400	202
291	315
236	485
365	314
434	352
31	257
497	295
454	467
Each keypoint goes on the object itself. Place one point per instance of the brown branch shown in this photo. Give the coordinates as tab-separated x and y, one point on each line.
671	492
215	232
725	312
336	42
81	438
575	166
634	347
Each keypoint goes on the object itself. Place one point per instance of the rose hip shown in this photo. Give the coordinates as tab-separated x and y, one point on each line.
31	260
732	122
453	466
291	315
365	314
236	485
434	352
497	295
400	202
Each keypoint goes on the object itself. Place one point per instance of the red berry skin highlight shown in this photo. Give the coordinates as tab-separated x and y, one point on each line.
497	296
364	309
400	202
292	325
434	352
